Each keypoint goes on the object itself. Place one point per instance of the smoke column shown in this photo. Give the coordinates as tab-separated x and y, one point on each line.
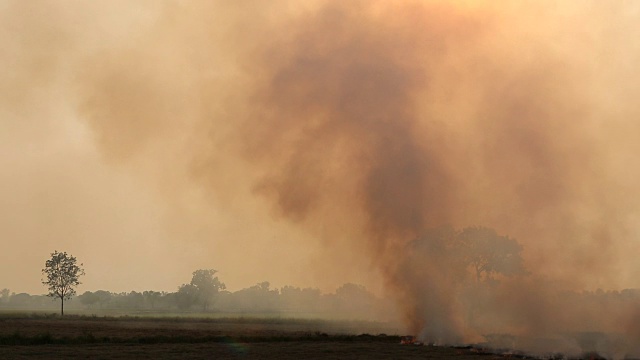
368	123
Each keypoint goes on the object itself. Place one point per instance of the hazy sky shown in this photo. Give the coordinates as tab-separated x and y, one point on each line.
303	143
61	191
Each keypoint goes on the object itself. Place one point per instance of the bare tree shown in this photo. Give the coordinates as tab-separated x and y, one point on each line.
63	275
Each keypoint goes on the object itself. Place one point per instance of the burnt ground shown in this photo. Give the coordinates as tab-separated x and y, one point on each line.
256	350
142	338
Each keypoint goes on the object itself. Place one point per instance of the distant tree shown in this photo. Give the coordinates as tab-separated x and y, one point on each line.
433	249
259	297
488	253
186	296
262	286
104	297
295	298
437	240
134	300
89	298
21	300
4	295
151	297
354	298
207	286
62	276
350	290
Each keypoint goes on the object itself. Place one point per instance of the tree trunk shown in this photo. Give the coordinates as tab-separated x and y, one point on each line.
62	306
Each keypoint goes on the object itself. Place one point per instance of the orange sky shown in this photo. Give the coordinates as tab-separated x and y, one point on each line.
156	138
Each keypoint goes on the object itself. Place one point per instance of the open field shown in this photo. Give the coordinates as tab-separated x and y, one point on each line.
39	336
257	350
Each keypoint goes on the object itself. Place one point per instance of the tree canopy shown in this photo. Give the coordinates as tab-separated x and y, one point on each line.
479	249
62	276
202	289
488	253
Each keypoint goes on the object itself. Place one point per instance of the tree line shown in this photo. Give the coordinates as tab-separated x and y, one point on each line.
348	301
205	292
479	251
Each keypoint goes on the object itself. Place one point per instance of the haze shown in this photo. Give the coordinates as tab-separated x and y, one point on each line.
306	143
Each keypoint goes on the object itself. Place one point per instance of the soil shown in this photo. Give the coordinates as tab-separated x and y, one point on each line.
118	338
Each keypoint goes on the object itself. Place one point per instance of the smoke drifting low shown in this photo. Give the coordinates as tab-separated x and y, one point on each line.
370	123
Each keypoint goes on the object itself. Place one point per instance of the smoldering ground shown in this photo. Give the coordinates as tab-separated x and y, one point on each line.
366	124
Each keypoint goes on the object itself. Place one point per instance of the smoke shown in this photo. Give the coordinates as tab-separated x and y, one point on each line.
369	123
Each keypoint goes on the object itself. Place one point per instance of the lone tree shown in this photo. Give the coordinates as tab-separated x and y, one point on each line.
488	253
62	276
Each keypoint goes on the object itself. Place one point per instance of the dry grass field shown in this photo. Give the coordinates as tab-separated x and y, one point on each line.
28	337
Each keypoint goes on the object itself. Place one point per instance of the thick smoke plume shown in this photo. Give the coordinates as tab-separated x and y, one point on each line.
371	123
